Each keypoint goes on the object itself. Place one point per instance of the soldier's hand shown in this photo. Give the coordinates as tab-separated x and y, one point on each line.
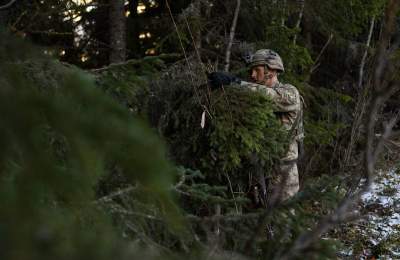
218	79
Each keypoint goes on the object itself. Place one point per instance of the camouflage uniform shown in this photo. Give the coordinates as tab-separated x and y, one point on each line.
288	108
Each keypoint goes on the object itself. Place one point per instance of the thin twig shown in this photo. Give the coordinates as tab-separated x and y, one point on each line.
299	20
316	64
186	58
233	194
364	58
8	5
194	44
116	194
232	36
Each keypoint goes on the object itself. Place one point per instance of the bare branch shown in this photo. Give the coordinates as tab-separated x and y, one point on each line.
232	36
364	58
116	194
372	150
343	212
299	20
316	63
8	5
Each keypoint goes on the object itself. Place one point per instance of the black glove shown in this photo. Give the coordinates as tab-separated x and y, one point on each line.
219	79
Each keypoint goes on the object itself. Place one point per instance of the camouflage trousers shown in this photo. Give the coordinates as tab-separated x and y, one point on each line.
281	185
288	175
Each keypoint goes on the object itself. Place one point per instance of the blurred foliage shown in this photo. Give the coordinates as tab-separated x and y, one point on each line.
57	137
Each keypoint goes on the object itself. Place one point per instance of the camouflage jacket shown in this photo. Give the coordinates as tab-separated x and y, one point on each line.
287	100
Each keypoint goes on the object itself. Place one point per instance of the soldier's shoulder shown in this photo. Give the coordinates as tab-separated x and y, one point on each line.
287	86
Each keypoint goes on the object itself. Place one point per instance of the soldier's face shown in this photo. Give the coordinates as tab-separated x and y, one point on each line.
262	75
257	74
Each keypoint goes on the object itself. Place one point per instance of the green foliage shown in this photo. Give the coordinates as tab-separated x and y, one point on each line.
128	83
240	128
322	116
57	137
346	18
241	133
297	59
67	136
289	221
199	198
243	126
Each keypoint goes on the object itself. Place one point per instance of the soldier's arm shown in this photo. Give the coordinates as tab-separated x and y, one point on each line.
286	98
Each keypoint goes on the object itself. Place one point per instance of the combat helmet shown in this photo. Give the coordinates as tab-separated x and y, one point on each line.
267	57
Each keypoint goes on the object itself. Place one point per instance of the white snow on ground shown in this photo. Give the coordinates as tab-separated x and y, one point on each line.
377	234
382	204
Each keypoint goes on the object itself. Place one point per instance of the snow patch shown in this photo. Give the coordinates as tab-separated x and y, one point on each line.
381	225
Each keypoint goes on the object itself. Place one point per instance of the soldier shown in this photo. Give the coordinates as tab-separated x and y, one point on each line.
265	66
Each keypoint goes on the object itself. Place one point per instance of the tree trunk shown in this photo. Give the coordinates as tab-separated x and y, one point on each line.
117	31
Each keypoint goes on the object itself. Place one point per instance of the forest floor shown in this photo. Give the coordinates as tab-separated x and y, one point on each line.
377	234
